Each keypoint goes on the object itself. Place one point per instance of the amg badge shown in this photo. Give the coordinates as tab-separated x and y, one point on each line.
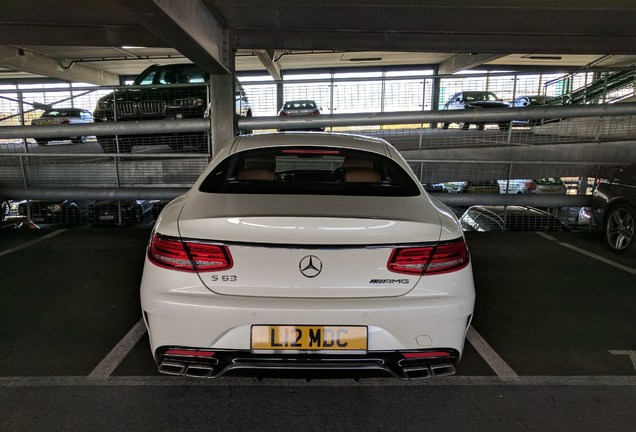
389	281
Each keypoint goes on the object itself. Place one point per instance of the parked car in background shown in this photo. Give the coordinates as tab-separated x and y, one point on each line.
510	218
529	101
63	212
163	92
475	100
300	108
63	116
10	219
270	263
108	212
434	188
526	101
614	204
481	187
547	185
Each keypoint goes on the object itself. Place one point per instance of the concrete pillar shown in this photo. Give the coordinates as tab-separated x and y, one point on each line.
221	111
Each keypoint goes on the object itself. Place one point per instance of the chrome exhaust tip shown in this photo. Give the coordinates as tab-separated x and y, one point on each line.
416	372
199	371
444	369
172	368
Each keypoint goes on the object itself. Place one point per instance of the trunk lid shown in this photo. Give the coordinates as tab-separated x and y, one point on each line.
309	246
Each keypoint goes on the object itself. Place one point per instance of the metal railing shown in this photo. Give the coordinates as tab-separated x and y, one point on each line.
31	167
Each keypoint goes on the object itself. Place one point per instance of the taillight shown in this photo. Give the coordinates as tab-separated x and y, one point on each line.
425	354
190	353
531	185
65	122
317	112
282	114
436	259
175	254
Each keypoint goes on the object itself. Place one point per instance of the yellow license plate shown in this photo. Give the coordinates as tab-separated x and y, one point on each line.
309	338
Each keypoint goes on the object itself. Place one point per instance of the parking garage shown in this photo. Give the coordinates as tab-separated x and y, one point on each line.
551	343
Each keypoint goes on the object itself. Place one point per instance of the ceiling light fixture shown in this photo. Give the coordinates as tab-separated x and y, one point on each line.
365	59
541	57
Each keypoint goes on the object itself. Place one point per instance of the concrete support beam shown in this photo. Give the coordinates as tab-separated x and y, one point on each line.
189	27
267	58
464	61
20	59
221	111
439	42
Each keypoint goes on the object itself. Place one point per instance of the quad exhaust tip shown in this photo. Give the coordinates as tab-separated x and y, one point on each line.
427	371
191	370
196	370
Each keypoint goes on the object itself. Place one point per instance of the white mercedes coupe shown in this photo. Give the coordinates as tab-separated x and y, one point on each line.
307	252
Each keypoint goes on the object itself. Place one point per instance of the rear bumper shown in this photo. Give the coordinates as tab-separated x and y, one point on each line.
182	314
179	361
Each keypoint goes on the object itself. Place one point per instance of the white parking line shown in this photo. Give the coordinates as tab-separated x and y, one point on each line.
589	254
32	242
496	363
117	354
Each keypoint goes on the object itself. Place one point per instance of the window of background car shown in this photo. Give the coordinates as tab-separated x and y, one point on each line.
310	171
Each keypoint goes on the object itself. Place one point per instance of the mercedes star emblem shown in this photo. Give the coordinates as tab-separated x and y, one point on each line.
310	266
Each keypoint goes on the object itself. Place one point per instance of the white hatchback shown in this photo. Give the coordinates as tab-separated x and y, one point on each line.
307	252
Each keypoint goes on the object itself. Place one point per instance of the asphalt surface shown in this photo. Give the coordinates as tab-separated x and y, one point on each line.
552	347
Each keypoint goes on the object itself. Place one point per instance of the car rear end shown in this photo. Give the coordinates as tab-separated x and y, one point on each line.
363	274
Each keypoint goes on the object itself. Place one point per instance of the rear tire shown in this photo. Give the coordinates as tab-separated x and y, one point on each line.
620	229
445	125
464	126
42	142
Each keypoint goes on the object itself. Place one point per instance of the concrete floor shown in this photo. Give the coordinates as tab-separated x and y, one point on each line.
552	347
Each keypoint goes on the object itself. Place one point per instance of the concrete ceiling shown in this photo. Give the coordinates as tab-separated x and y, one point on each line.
98	41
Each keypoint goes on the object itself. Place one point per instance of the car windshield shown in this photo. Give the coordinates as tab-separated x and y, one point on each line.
539	100
310	171
173	74
300	105
549	181
60	113
479	96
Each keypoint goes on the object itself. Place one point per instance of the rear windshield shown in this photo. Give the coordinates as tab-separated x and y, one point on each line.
310	171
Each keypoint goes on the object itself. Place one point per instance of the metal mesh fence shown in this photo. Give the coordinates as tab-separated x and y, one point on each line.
176	160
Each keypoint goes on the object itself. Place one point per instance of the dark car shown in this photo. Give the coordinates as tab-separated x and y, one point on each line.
614	204
110	212
64	212
475	100
63	116
162	92
510	218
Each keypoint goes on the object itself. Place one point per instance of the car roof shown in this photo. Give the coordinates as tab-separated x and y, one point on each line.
310	139
300	101
70	110
477	92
